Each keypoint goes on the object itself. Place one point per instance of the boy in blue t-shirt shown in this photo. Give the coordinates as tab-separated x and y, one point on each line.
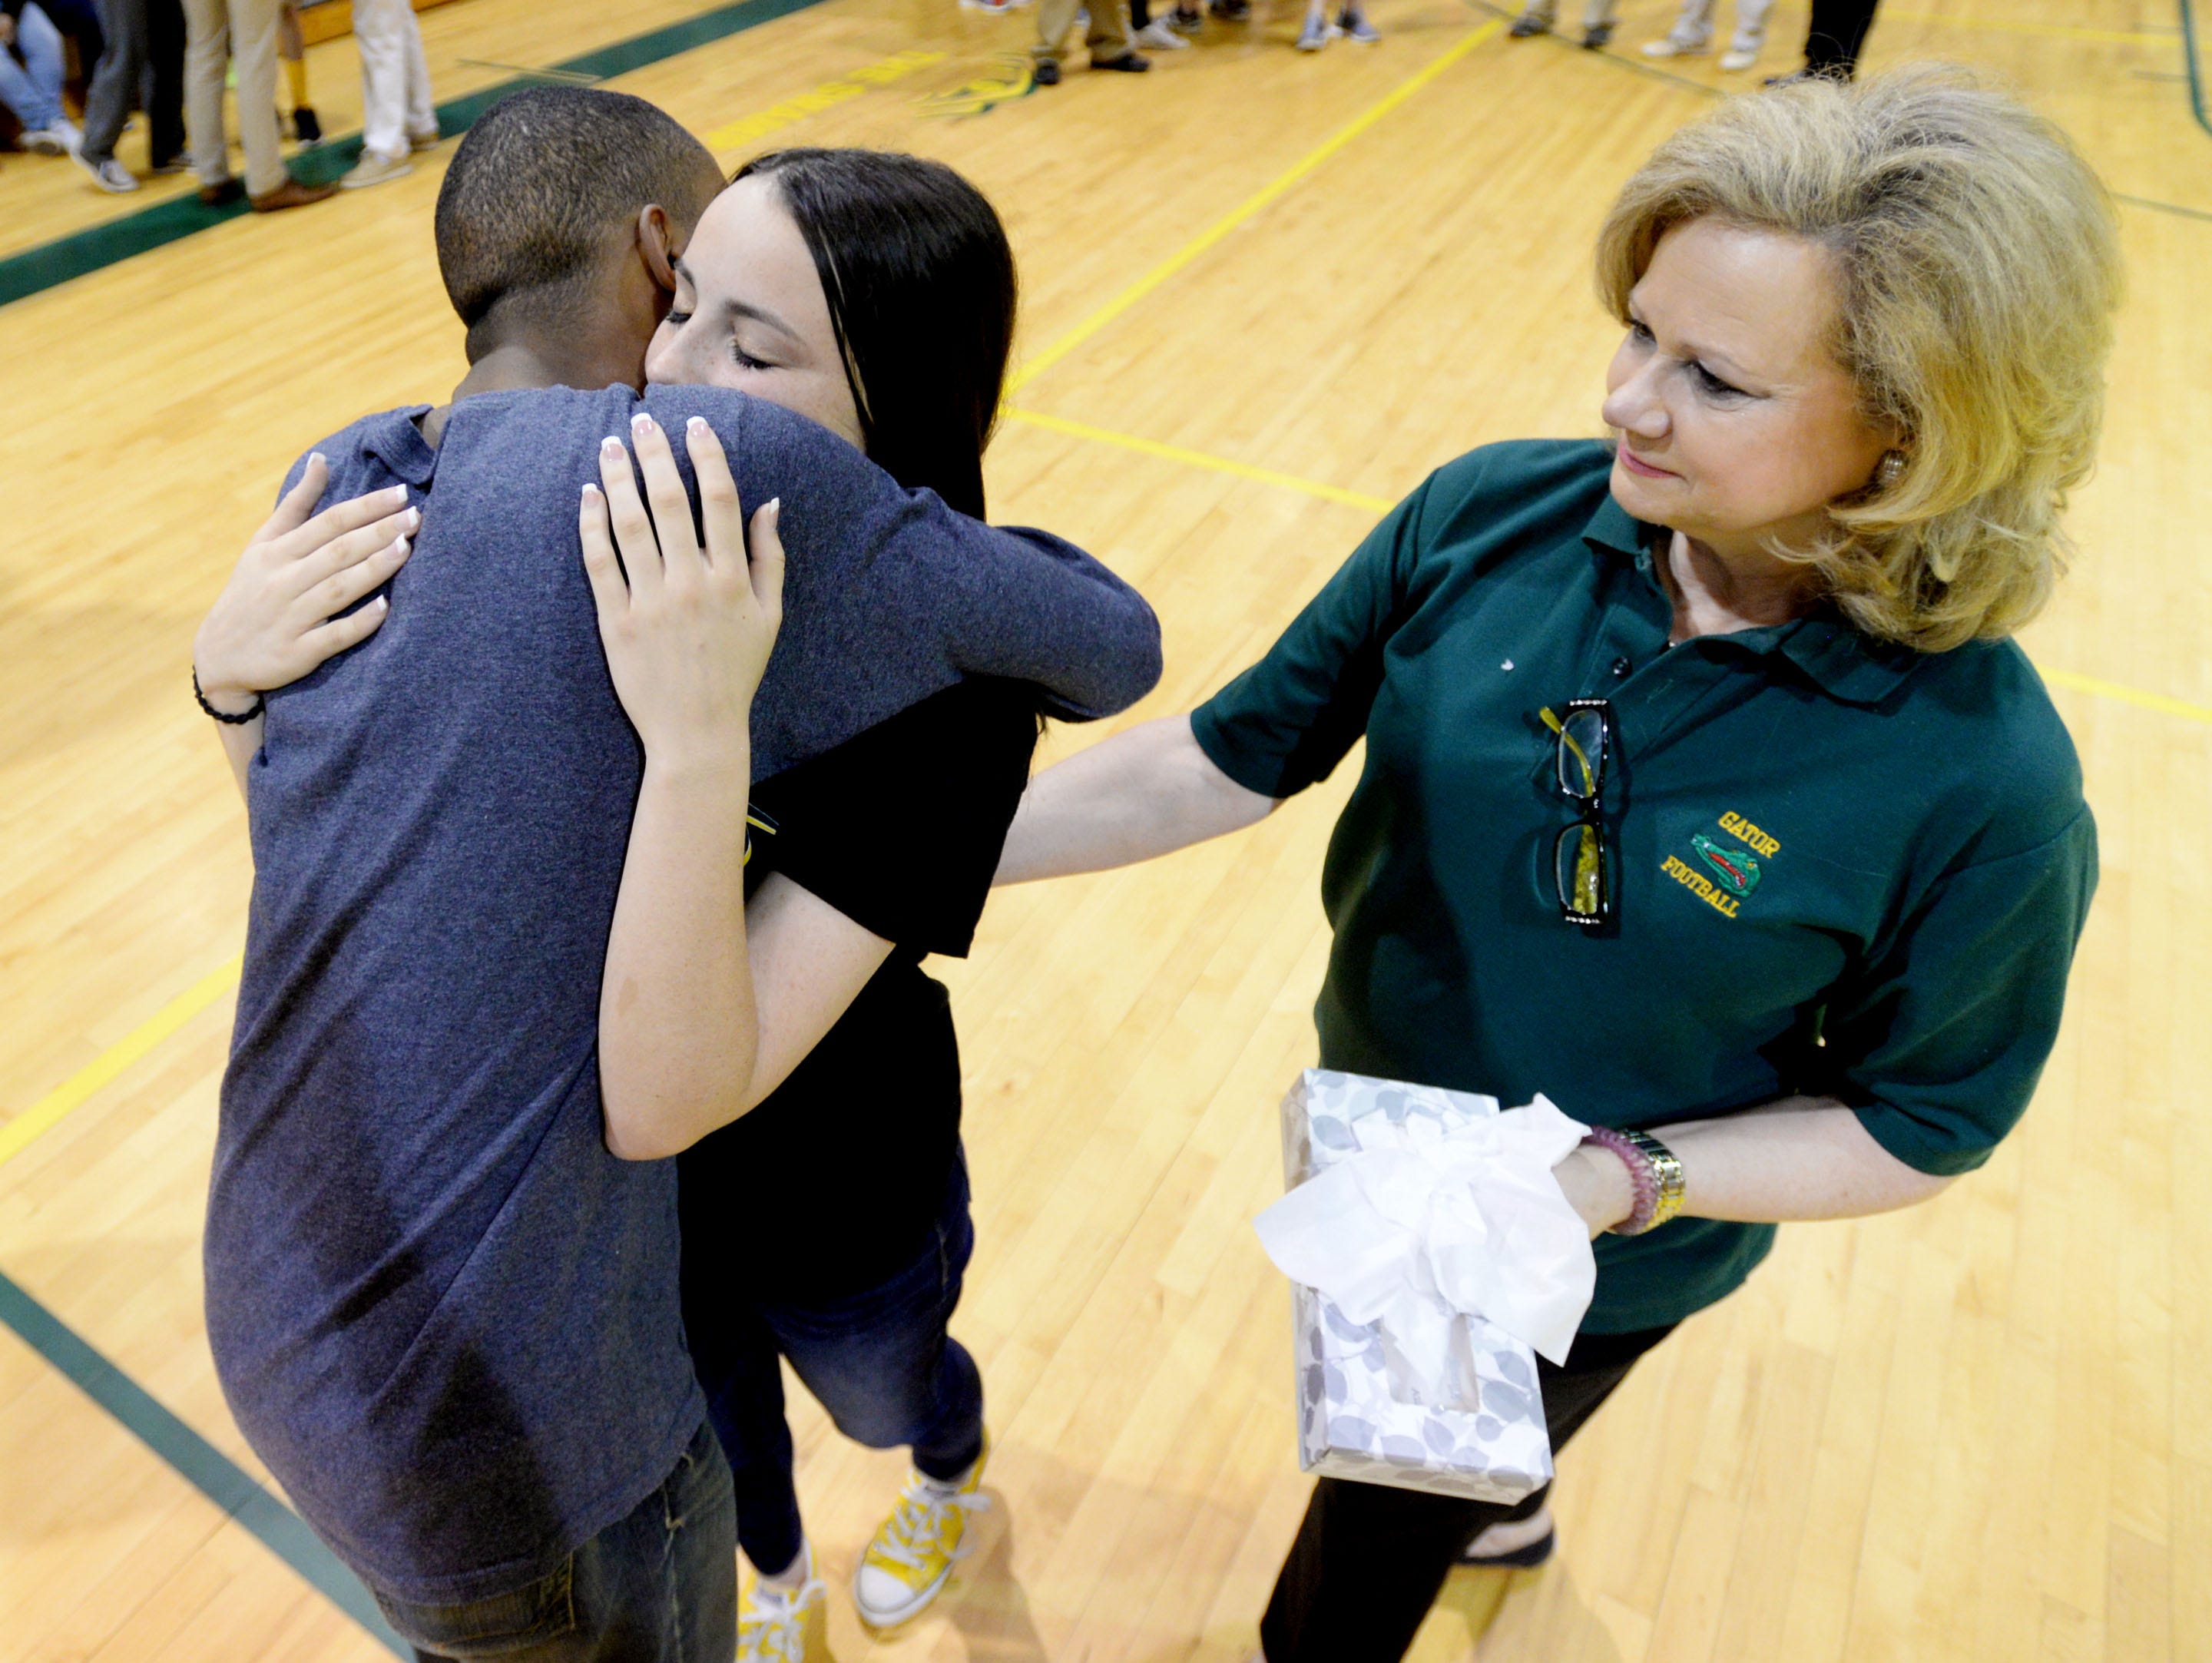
443	1314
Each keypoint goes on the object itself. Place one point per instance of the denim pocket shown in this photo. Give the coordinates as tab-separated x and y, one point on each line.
498	1626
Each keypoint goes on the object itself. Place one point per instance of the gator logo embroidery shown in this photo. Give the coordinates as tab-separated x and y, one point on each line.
1736	869
1731	873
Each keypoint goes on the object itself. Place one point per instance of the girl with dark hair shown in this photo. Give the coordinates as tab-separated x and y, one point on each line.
829	1224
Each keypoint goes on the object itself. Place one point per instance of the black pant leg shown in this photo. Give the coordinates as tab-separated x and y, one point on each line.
1369	1559
165	80
1836	36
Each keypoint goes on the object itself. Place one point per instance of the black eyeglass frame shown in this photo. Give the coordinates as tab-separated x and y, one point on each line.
1592	817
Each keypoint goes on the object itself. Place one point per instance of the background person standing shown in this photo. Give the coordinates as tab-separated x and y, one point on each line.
397	116
216	31
143	62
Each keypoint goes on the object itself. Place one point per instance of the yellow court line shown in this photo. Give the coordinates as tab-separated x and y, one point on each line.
1199	459
1253	204
2126	694
48	1111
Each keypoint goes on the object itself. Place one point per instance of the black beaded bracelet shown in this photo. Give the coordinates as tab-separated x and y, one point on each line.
237	718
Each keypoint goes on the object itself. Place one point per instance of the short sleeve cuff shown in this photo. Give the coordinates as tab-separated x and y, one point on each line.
1211	728
1939	1151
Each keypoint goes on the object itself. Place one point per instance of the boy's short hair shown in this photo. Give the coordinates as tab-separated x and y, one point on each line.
547	183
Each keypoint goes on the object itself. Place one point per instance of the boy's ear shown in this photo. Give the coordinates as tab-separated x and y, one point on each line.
656	243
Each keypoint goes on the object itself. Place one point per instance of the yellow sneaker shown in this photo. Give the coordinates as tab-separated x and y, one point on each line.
914	1549
779	1627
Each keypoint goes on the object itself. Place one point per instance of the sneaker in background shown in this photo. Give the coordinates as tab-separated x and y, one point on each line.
1317	34
1354	25
1597	36
914	1551
1668	47
1527	25
1736	59
429	139
375	169
60	139
107	172
307	125
1159	34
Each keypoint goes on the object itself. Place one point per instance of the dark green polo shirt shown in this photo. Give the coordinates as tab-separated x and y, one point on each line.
1841	867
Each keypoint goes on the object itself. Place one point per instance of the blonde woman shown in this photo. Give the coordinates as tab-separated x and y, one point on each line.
1703	788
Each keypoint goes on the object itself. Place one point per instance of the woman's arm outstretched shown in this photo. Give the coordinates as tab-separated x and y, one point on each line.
1145	792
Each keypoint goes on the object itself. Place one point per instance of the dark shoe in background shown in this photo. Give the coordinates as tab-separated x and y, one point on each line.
291	194
307	125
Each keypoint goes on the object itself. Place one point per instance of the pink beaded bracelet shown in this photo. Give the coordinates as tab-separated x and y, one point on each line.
1654	1173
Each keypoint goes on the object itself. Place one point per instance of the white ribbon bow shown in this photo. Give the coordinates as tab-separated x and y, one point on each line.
1421	1227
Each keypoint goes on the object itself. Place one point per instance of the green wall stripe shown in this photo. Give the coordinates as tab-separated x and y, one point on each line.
98	247
198	1462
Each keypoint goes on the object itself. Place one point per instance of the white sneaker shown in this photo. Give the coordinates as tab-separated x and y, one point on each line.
110	175
60	139
1667	46
1317	34
1160	37
1736	58
375	169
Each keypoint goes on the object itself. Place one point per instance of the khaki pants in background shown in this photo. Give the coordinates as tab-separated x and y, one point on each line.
1109	29
216	31
394	78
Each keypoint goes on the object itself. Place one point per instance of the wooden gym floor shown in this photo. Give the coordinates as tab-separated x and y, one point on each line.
1266	293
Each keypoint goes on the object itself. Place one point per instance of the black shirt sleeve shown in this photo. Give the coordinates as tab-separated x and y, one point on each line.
901	828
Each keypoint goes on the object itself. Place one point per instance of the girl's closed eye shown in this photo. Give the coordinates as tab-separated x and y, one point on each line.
744	359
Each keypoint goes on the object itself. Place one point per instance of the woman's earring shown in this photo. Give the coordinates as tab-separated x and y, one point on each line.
1890	470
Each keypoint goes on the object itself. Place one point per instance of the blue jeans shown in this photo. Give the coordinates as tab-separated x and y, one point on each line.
881	1362
658	1586
32	89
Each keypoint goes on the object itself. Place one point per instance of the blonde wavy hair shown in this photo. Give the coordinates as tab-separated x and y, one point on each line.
1977	270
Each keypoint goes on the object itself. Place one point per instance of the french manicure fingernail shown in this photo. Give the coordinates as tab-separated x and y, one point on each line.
590	490
696	424
611	446
641	421
414	518
314	457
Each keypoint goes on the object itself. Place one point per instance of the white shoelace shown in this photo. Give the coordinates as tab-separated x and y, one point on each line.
921	1519
777	1633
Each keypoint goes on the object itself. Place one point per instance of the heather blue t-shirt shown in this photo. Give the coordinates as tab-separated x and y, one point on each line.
443	1313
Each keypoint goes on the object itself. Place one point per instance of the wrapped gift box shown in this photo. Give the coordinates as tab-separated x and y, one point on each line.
1482	1435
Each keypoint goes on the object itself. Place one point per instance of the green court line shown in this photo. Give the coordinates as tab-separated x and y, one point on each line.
98	247
2196	75
198	1462
2163	207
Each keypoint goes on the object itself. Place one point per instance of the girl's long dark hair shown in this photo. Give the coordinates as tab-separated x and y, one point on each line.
922	288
